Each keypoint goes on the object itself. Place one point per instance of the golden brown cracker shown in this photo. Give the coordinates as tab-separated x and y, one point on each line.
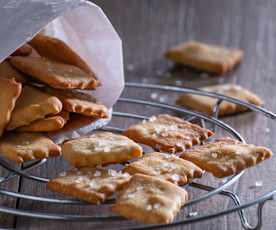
33	105
55	74
100	148
24	50
165	166
21	147
225	156
207	104
93	185
167	133
8	71
205	57
150	200
10	91
79	102
48	124
47	47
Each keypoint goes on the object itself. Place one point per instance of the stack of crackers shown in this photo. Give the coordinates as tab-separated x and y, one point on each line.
39	90
149	188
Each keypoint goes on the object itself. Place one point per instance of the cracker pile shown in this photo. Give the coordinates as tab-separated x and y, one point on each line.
147	189
39	89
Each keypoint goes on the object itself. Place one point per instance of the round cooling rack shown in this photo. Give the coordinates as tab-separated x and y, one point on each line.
208	191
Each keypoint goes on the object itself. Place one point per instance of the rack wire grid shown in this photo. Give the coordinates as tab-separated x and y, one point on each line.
209	191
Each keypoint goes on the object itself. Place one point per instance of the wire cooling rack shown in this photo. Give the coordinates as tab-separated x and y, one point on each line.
209	191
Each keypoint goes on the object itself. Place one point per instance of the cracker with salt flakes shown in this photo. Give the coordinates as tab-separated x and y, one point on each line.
206	57
225	156
165	166
93	185
101	148
150	200
167	133
22	147
206	104
33	105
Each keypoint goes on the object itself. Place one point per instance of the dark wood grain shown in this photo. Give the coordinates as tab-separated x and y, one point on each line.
148	28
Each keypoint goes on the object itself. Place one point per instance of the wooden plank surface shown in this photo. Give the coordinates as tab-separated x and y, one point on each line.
148	28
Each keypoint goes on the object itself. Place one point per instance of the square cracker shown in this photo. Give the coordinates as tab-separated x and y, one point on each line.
79	102
33	105
165	166
55	74
48	124
167	133
100	148
205	57
150	200
8	71
9	93
21	147
47	47
206	104
93	185
226	156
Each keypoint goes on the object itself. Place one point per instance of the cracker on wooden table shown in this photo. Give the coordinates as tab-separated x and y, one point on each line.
205	57
8	71
48	124
225	156
10	91
167	133
21	147
206	104
93	185
33	105
79	102
24	50
55	74
100	148
165	166
47	47
150	200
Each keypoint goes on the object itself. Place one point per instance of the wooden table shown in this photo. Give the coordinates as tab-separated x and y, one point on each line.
148	28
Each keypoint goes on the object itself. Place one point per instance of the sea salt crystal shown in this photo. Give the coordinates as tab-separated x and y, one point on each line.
131	195
175	177
63	174
149	207
112	172
79	180
267	130
156	206
97	173
214	155
154	95
153	118
192	214
130	67
163	98
178	82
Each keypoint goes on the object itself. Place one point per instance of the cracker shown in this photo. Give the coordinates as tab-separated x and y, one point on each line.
93	185
206	104
48	124
165	166
167	133
225	156
33	105
100	148
24	50
47	47
21	147
81	103
8	71
150	200
205	57
55	74
9	93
